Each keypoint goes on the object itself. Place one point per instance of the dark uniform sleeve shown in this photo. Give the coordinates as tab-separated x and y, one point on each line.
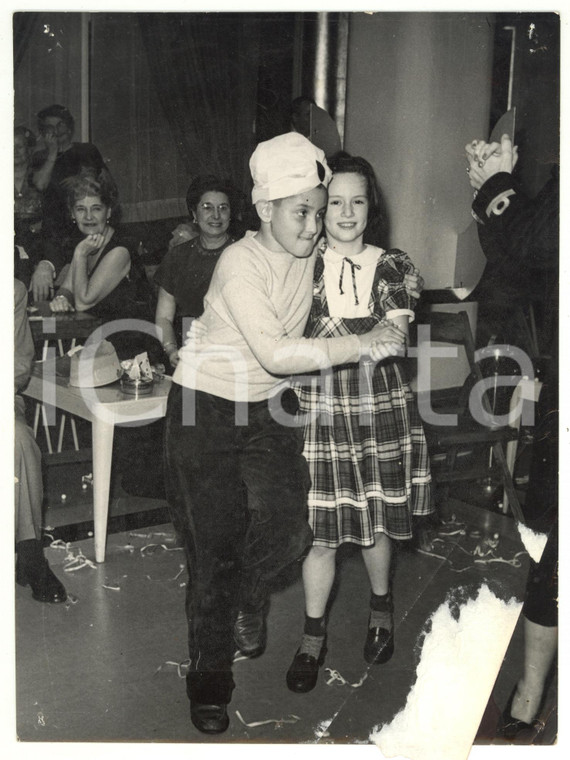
514	225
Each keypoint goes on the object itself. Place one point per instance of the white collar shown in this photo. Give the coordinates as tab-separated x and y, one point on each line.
367	257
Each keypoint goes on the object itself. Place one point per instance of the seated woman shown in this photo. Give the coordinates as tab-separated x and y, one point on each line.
59	158
104	277
186	270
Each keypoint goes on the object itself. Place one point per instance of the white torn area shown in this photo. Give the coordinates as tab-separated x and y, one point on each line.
458	666
533	542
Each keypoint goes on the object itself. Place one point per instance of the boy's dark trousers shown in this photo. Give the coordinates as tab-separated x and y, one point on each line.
238	499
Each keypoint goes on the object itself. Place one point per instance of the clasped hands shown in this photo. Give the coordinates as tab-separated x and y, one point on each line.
486	159
384	340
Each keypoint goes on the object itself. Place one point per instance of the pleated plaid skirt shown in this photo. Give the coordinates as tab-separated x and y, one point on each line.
367	455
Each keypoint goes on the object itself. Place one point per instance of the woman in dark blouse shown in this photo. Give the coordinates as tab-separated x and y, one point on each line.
104	277
186	270
59	159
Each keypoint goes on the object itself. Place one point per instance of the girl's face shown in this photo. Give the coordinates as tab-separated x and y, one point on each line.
91	215
213	214
347	208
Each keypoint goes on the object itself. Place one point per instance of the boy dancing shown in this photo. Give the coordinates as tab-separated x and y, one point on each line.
236	479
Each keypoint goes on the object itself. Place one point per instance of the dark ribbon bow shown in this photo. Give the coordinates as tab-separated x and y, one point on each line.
353	267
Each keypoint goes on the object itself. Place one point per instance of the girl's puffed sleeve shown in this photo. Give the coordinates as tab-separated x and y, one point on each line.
393	267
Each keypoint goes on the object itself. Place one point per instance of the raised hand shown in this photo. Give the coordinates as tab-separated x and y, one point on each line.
487	159
90	244
414	284
42	282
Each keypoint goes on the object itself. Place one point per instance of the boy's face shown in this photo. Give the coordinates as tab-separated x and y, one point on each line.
296	222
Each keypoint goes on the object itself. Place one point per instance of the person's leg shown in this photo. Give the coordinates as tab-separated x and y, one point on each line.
377	560
276	479
319	569
32	567
202	488
28	480
540	644
540	615
379	645
318	577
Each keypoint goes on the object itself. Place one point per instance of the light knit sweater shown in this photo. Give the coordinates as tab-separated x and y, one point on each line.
255	314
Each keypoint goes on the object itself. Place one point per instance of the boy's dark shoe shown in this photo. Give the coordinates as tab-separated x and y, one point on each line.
250	633
209	719
209	693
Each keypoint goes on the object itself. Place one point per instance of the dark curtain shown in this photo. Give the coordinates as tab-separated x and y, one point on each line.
204	67
25	25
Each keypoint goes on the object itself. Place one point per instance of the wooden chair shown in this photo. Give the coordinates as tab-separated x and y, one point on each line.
468	434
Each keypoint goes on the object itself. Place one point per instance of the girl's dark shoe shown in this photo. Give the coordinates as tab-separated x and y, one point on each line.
518	731
304	670
32	569
379	644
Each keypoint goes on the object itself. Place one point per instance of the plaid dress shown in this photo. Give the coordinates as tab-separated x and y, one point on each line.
366	448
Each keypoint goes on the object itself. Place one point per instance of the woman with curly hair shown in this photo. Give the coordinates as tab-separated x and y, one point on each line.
104	277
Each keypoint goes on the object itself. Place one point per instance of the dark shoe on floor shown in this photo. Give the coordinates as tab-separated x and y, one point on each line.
304	670
46	587
379	645
518	731
250	633
209	719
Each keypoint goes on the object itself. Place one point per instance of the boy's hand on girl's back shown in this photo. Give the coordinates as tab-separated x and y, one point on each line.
414	284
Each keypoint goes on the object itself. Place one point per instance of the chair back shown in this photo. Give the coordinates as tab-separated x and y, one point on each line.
454	328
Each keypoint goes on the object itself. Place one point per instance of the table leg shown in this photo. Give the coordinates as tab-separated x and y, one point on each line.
102	435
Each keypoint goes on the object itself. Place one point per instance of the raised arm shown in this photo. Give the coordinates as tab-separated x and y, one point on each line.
164	318
88	291
510	223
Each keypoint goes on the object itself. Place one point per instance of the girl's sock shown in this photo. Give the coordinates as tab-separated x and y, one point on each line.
314	626
381	609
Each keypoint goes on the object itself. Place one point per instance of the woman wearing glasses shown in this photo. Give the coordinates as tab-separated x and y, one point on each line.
186	270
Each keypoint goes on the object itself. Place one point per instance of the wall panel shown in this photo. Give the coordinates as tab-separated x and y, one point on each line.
418	90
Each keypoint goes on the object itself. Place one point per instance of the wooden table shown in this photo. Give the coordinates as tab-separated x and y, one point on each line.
104	407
